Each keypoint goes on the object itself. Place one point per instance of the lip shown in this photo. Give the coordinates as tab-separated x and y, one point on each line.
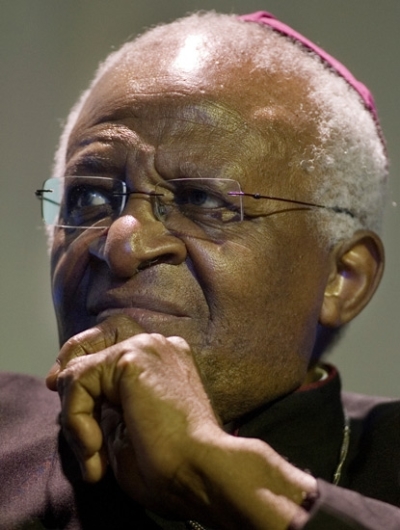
137	307
144	317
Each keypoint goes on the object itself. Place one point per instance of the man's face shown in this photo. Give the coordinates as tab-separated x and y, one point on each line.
247	298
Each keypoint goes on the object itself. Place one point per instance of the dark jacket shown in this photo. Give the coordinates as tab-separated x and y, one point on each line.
40	485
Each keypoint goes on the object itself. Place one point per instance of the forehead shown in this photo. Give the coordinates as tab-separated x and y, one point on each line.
194	100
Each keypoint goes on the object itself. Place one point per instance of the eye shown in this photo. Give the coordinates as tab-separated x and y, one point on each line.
86	196
206	201
199	197
86	203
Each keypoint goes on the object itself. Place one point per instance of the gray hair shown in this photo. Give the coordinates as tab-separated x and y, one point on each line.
347	163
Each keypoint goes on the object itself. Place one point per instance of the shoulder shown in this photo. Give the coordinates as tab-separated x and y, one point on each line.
24	398
28	447
375	420
374	452
362	407
14	387
28	419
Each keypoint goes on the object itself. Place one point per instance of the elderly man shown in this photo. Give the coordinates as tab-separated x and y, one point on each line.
215	208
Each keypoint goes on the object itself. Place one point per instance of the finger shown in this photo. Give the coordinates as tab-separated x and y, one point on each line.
111	419
81	385
123	460
109	332
180	343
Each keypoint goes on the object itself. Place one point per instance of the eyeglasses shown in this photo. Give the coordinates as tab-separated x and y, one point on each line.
184	205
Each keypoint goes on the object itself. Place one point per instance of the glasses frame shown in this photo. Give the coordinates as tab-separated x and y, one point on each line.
40	194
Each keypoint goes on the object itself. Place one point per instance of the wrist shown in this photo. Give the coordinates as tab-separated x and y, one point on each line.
244	483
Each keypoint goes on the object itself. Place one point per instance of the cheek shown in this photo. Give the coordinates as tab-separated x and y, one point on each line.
69	265
234	279
264	299
232	276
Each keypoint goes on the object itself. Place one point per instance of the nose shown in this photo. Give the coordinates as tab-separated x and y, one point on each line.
134	242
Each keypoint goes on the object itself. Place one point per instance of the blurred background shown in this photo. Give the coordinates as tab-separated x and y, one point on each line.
49	50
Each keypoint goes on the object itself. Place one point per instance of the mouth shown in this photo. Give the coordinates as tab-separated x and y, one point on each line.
144	311
134	312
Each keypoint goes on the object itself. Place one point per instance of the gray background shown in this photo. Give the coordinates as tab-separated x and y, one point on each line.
49	49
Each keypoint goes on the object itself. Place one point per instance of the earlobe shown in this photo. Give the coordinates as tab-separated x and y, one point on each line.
356	270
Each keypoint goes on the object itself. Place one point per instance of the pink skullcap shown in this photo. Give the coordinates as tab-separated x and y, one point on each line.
262	17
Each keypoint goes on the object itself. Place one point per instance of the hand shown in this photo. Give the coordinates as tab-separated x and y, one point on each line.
109	332
140	405
155	419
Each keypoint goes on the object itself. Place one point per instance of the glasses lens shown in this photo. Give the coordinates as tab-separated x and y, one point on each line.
192	206
82	202
189	205
50	198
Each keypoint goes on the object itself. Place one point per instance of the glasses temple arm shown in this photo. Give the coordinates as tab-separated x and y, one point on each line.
336	209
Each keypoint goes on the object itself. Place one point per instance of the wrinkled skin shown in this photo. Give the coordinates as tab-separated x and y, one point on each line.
158	432
247	301
242	304
174	334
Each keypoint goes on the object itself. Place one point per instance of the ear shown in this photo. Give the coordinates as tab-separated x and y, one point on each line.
356	269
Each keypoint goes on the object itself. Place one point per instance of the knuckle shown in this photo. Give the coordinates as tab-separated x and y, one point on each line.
75	347
76	344
145	341
157	339
130	364
180	343
65	380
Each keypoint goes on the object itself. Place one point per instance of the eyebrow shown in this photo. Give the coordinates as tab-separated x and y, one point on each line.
93	163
